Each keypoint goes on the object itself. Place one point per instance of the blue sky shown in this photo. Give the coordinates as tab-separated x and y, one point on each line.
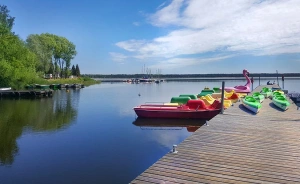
175	36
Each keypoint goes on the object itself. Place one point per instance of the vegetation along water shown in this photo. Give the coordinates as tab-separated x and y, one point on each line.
26	62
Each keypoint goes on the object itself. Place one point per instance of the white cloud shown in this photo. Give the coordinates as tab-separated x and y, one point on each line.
182	62
257	27
161	5
117	56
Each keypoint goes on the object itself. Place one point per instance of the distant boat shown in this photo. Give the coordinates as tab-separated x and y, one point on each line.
146	80
42	87
5	89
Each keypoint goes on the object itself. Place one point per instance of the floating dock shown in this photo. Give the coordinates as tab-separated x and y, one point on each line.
26	93
236	147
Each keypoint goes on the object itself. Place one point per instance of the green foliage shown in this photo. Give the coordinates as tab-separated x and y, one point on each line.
73	70
77	71
6	20
47	46
22	62
17	63
41	46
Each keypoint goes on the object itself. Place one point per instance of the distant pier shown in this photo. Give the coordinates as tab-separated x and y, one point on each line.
236	147
25	93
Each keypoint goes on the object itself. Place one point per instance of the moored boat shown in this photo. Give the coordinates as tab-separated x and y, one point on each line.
294	96
278	91
193	97
208	100
259	97
267	92
241	88
205	91
5	89
180	100
42	87
194	109
281	102
252	104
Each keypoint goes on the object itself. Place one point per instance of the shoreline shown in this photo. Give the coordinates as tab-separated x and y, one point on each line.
198	79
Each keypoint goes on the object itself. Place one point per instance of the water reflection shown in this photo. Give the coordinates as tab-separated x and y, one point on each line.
191	125
21	115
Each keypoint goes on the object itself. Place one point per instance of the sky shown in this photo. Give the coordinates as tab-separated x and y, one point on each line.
173	36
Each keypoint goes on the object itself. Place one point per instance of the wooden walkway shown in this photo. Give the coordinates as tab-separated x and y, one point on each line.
25	93
236	147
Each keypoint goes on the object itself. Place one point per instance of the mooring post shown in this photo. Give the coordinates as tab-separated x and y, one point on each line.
259	80
222	97
174	149
277	78
252	81
282	78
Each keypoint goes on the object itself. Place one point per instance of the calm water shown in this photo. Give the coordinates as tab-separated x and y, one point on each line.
88	135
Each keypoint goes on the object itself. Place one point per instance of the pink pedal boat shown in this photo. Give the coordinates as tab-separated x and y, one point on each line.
194	109
241	88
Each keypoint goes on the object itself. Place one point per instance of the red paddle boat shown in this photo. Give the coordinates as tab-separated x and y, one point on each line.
194	109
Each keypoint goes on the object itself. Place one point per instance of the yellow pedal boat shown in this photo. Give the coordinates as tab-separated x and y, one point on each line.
208	100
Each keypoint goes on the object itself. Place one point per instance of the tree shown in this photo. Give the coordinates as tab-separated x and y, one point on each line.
73	70
42	46
50	47
17	63
6	20
77	71
51	69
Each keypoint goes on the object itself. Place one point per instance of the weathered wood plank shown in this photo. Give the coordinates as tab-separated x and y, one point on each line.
205	163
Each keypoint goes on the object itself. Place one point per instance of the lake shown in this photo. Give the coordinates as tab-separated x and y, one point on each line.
92	135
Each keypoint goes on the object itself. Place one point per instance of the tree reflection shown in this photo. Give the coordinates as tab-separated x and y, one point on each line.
46	114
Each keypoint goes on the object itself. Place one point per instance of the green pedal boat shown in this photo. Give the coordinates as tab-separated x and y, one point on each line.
252	104
259	97
281	102
267	92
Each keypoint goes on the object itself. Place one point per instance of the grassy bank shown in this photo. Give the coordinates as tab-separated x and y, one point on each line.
82	80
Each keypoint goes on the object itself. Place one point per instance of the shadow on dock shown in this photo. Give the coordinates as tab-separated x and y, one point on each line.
275	107
243	108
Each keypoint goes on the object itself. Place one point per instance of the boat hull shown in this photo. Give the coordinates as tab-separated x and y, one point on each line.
201	114
280	105
267	94
253	109
5	89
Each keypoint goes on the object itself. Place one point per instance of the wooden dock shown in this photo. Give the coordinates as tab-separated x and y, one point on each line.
236	147
25	93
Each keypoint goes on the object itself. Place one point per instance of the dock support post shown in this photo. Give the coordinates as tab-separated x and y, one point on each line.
222	97
174	149
259	80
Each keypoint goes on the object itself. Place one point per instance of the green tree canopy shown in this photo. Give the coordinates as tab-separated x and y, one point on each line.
49	46
6	20
17	63
77	71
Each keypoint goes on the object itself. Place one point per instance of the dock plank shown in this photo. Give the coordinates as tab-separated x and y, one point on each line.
236	147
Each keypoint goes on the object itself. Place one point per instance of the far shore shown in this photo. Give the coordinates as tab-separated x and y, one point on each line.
199	79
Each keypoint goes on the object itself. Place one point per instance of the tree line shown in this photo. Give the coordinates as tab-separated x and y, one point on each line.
22	62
